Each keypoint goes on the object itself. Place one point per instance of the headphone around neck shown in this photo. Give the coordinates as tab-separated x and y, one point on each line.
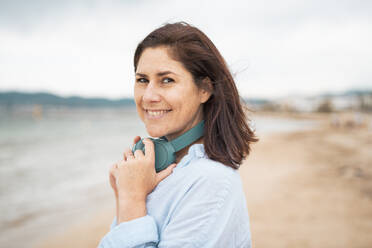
165	151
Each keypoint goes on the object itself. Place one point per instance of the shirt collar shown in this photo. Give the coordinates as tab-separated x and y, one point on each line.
195	151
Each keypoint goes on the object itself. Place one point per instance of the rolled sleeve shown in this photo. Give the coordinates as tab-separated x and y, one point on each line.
140	232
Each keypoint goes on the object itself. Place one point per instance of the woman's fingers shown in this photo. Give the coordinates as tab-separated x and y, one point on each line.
113	167
128	154
149	149
138	154
164	173
136	139
112	177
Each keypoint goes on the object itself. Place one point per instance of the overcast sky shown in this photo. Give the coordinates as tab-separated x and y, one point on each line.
274	48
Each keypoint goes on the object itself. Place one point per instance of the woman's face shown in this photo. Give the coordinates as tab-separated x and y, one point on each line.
167	99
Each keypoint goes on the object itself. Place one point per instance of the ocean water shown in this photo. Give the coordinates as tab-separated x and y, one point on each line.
54	164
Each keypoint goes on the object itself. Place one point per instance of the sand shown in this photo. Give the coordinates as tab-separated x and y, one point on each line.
304	189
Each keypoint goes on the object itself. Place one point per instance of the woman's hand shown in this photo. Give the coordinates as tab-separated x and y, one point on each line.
134	177
114	166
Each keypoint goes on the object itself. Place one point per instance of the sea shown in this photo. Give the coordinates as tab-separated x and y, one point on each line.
54	163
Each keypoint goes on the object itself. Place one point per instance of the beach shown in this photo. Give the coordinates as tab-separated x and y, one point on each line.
311	188
307	181
308	188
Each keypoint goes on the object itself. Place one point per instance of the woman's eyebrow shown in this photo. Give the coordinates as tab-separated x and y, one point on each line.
159	74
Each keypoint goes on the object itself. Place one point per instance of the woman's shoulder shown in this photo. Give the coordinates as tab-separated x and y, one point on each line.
200	167
196	171
211	169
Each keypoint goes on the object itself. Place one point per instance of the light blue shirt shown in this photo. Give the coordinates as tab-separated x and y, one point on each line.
201	204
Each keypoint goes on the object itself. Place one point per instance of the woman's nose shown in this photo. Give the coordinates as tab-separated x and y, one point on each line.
151	93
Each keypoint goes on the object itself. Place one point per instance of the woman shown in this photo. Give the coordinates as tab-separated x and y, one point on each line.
198	201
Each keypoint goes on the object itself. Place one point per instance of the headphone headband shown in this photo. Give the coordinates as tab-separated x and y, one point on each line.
189	137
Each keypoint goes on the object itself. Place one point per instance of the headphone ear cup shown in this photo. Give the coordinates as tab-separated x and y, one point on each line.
164	153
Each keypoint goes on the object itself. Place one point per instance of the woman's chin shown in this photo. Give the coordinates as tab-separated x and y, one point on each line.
153	132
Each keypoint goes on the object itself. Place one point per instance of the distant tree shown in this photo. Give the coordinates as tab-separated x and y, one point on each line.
365	102
21	98
325	106
270	107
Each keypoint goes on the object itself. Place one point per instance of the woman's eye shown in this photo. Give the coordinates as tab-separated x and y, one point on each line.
141	80
167	80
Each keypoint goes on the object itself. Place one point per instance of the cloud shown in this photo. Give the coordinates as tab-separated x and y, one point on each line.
86	47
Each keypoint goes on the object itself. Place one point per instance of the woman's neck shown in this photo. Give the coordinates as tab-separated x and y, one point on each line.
181	153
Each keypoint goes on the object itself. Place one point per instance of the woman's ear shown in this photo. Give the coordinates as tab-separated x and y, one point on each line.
205	90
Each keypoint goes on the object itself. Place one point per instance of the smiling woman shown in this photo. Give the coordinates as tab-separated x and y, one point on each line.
167	99
185	95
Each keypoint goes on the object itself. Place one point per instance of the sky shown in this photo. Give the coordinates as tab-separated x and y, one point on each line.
273	48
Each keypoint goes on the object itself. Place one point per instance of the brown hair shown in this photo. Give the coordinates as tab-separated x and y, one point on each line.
227	135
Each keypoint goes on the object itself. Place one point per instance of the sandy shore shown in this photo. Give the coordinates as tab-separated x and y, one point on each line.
303	189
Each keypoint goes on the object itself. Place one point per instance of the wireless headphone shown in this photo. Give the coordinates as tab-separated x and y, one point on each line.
165	151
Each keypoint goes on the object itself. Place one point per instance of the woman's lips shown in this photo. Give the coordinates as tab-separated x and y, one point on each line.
156	113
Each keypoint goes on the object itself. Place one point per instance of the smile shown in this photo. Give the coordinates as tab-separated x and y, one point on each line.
156	113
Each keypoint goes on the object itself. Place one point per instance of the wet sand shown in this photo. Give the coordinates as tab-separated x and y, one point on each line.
304	189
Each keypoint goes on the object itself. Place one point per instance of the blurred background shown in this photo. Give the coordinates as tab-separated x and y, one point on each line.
67	113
